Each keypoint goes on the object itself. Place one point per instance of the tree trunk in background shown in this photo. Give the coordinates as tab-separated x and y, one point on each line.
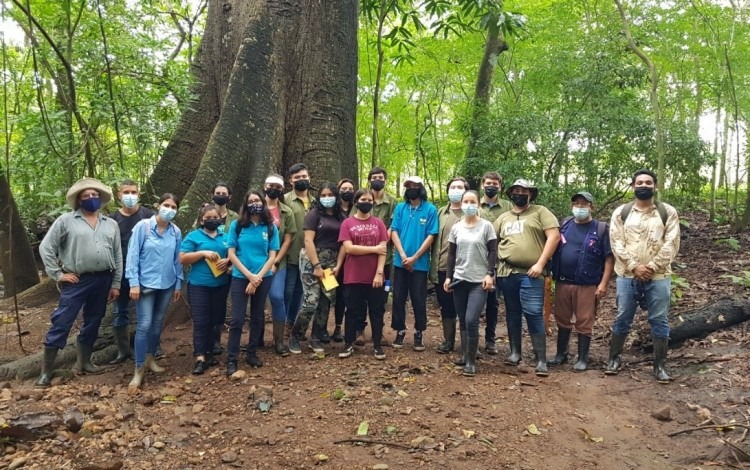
277	85
16	256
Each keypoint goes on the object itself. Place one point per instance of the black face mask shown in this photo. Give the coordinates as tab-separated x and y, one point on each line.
273	193
377	185
302	185
347	196
221	200
520	200
644	193
212	224
490	191
364	207
412	193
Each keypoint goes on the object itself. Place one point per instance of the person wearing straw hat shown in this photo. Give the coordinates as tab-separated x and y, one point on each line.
82	252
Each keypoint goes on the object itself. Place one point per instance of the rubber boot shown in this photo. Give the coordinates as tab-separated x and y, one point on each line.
470	369
539	343
83	364
584	342
152	365
449	336
123	344
615	349
278	339
514	338
140	373
48	368
661	346
563	338
461	361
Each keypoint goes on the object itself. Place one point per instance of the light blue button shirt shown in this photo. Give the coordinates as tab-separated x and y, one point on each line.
153	258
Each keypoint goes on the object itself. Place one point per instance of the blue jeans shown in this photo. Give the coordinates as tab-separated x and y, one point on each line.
524	297
150	311
469	299
208	307
292	292
276	295
657	295
121	308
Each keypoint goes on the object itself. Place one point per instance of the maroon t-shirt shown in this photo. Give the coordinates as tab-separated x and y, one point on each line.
361	269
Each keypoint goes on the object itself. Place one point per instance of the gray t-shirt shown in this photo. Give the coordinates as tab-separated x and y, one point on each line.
471	249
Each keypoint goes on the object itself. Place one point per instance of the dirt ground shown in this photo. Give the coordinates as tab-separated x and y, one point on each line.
418	409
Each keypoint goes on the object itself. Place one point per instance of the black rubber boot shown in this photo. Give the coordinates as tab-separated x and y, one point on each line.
278	339
48	368
83	364
449	336
584	343
123	344
615	349
337	337
515	348
661	346
539	343
470	368
461	361
563	338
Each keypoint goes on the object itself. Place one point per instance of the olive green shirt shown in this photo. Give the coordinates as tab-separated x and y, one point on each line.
491	213
521	238
299	210
383	210
447	218
288	225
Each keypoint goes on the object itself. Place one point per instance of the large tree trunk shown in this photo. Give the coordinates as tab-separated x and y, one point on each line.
285	94
16	256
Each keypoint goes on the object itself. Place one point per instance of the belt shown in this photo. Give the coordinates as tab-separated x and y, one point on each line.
98	273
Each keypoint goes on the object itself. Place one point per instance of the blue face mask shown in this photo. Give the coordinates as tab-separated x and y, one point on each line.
91	204
470	209
581	213
328	201
129	200
167	213
455	195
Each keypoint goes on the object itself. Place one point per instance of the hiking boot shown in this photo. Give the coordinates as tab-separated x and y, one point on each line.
563	338
231	368
418	341
449	336
614	363
48	368
337	337
123	344
584	343
398	343
253	360
200	367
211	361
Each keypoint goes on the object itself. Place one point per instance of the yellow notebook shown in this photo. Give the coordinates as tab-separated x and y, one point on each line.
329	280
214	268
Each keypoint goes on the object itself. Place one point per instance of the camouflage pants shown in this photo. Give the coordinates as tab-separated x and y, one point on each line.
316	301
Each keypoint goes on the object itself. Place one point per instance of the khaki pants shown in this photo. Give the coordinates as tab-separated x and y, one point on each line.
575	307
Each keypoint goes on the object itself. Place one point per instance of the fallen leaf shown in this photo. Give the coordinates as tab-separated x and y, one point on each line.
321	457
363	428
533	430
587	436
391	429
468	434
402	393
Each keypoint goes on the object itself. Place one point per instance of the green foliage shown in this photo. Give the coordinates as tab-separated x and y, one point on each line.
742	280
731	242
679	284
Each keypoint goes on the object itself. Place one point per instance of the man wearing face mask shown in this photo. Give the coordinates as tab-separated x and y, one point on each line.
126	217
582	267
448	215
82	252
528	235
645	237
414	227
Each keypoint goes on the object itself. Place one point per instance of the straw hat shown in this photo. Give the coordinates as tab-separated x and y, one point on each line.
105	194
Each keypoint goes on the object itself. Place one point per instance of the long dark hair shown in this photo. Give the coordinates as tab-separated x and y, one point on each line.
265	216
205	207
336	206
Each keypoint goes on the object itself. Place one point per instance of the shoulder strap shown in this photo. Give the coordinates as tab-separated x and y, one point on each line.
147	226
659	207
662	212
626	211
565	223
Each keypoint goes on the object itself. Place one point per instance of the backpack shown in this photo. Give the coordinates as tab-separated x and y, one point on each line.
659	207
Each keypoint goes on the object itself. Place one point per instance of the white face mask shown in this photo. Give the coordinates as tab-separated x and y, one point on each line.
581	213
129	200
328	201
455	194
167	213
470	209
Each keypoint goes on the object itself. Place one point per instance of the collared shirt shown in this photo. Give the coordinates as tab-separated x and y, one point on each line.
252	246
154	258
414	225
383	210
200	273
521	238
447	218
287	224
492	212
74	246
644	239
299	208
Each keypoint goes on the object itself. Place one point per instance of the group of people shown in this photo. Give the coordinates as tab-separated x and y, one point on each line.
349	247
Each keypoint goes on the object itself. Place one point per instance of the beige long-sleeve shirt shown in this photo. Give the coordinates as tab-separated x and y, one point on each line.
644	239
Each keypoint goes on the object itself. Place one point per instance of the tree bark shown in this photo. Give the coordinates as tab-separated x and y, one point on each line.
16	256
716	315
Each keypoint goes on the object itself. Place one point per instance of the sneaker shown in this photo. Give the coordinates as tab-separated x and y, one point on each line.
316	345
294	346
385	343
398	343
218	349
418	343
211	361
324	337
253	360
200	367
379	354
337	337
231	367
348	351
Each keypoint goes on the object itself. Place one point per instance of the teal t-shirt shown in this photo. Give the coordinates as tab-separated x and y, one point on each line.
414	225
200	273
252	246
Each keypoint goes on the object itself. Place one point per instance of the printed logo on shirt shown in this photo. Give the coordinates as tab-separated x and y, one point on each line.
265	235
422	220
514	228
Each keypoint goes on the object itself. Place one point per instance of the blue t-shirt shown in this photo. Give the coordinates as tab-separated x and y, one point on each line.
200	273
414	225
252	246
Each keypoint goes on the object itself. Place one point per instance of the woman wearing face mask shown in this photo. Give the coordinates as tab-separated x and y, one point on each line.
346	194
206	291
253	244
154	272
448	215
322	225
221	195
283	219
472	255
365	241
